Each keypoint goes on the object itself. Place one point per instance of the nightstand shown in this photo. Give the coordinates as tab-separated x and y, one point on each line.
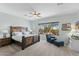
5	41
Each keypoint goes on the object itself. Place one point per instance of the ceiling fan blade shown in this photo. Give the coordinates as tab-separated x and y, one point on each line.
28	15
30	9
38	13
33	9
38	16
34	12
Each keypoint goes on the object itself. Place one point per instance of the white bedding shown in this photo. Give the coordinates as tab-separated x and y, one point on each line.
19	37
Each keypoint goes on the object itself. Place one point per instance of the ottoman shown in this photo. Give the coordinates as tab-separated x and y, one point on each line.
59	43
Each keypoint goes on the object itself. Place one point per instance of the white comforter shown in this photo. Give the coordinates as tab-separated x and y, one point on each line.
19	37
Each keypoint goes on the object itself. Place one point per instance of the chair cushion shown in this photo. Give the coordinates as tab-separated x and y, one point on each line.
52	38
59	41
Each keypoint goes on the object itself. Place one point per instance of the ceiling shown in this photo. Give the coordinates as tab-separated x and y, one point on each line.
46	9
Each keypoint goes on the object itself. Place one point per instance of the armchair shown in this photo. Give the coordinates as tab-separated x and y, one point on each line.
50	38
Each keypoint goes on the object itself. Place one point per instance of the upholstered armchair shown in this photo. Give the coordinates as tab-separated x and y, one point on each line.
50	38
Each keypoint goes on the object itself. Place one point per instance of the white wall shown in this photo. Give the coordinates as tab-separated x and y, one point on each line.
10	20
68	18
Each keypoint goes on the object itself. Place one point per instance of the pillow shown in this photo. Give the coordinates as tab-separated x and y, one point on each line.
16	33
26	33
53	38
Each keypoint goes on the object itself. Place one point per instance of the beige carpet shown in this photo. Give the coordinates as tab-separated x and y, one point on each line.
42	48
9	50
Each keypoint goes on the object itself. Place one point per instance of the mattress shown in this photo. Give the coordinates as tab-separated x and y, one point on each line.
19	37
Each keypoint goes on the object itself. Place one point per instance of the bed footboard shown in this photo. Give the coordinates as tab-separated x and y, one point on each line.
27	41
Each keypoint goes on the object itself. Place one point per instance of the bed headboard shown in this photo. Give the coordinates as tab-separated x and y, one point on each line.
17	29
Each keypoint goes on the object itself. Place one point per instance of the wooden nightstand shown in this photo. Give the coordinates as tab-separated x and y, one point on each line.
4	41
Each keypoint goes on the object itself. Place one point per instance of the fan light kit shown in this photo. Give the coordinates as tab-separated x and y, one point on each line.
33	13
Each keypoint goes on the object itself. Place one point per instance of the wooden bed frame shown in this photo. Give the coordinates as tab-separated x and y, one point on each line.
26	41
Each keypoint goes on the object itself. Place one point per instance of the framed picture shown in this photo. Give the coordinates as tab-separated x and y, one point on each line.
66	27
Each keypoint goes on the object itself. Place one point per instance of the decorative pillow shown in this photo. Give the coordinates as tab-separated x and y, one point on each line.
26	33
13	34
53	38
16	33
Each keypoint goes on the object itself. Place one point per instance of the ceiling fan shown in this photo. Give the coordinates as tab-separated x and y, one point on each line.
33	13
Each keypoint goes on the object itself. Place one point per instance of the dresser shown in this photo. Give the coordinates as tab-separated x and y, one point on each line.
5	41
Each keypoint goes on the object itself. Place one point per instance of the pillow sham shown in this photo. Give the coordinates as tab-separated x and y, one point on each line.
26	33
16	33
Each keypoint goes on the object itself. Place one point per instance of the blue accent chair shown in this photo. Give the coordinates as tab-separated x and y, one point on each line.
54	40
50	38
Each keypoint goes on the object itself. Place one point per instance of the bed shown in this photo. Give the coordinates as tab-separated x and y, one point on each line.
23	39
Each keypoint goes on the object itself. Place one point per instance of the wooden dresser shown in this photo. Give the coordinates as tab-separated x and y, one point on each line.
4	41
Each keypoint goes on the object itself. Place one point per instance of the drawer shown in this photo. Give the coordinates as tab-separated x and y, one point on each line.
5	41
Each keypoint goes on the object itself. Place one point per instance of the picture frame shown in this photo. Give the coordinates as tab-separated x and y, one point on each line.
66	27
